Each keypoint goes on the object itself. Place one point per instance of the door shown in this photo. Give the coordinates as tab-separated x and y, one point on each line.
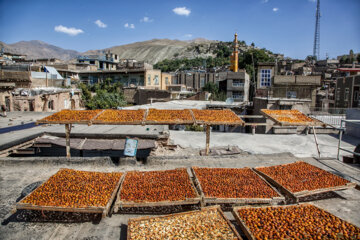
7	104
356	98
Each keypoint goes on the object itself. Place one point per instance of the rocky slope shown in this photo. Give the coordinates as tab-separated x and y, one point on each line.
156	50
151	51
38	49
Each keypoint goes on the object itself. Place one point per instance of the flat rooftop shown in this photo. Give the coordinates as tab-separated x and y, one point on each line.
17	174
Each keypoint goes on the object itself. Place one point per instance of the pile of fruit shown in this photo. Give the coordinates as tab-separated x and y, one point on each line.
301	176
224	116
233	183
296	222
71	115
75	189
204	224
289	116
157	186
119	116
177	116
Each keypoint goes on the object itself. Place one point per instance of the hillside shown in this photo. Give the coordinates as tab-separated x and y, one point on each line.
38	49
151	51
156	50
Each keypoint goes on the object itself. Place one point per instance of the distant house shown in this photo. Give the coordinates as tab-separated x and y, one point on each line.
7	56
24	90
108	61
347	94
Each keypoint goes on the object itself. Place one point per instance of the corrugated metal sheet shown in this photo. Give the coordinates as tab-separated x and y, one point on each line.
53	71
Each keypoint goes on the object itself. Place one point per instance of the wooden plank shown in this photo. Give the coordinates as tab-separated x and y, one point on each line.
113	195
207	147
258	124
189	122
98	122
192	115
251	116
44	145
228	222
275	183
145	116
91	120
59	209
67	135
198	184
242	224
63	122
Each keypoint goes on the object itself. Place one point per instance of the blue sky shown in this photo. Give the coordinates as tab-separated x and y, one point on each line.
283	26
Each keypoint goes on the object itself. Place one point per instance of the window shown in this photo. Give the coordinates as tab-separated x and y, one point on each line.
265	78
237	95
346	97
291	94
237	83
149	80
202	82
167	81
356	95
285	107
133	81
92	62
338	94
156	80
51	104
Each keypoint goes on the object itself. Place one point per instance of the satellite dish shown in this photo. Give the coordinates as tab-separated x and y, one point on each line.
229	101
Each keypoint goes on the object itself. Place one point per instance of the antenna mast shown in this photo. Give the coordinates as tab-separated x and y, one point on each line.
316	50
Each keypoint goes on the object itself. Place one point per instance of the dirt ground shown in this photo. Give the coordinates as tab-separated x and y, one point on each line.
16	175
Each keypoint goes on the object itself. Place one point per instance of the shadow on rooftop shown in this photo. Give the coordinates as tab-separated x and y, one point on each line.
51	216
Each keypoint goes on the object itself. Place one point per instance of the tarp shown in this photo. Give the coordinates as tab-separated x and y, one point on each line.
95	144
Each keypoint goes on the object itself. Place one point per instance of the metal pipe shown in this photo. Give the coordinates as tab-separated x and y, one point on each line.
355	153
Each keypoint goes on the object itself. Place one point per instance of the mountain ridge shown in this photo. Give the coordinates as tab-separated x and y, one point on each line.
151	51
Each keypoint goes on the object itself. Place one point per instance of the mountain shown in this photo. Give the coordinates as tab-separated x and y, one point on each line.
156	50
38	49
151	51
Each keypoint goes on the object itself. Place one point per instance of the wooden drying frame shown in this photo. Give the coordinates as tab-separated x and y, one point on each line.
87	122
127	204
247	230
144	122
103	210
240	122
315	122
217	208
234	201
101	122
170	122
305	193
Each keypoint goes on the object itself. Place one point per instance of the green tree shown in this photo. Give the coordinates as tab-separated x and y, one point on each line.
351	56
108	94
216	94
